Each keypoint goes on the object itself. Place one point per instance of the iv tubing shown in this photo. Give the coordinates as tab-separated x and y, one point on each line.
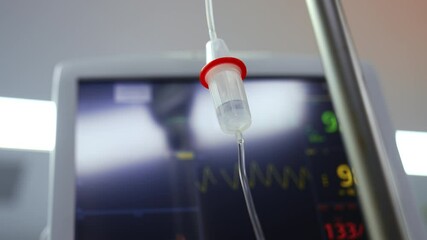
210	19
240	142
246	190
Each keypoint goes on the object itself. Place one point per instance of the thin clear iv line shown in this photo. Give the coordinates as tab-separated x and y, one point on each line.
210	19
240	143
246	190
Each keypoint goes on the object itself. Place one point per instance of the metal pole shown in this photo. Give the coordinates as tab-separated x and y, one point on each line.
358	126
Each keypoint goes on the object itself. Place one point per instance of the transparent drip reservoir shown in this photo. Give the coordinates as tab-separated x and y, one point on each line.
229	97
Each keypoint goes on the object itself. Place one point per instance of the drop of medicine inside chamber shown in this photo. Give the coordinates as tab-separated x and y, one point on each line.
234	116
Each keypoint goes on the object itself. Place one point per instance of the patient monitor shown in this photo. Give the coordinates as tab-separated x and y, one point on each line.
140	155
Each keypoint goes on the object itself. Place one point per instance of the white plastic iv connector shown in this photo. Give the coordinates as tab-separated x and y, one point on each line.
223	76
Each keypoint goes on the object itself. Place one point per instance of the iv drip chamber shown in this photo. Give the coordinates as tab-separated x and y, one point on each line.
223	77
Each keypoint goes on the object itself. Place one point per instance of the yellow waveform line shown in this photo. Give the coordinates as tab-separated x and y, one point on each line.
256	175
207	177
272	173
234	182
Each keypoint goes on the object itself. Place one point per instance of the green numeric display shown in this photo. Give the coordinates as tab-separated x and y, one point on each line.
329	120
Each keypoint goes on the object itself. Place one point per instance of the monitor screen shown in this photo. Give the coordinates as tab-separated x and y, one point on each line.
152	163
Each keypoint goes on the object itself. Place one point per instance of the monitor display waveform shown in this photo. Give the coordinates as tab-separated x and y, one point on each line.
284	177
153	166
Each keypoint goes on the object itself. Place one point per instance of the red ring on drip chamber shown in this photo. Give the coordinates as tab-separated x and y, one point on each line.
223	60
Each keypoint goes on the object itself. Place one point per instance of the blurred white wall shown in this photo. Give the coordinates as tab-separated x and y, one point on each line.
391	34
23	194
35	35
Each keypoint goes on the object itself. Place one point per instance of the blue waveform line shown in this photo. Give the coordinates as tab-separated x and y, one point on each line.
133	211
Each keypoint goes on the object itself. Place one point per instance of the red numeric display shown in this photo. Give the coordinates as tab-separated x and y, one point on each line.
344	230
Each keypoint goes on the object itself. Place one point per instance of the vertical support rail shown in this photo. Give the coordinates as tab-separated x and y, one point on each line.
362	139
